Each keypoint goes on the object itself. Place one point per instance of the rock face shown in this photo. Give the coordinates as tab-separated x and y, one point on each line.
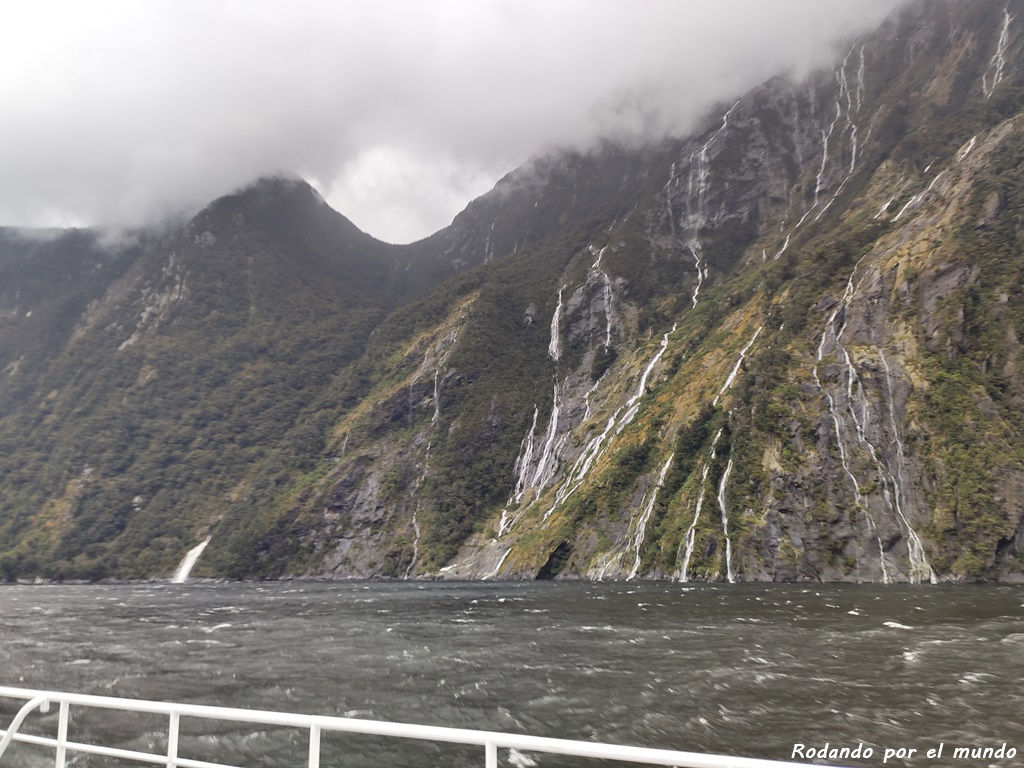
786	347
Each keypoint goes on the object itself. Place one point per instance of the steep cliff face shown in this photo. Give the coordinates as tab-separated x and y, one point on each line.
786	347
757	367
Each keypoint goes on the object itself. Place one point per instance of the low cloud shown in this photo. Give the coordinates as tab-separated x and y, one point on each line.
120	113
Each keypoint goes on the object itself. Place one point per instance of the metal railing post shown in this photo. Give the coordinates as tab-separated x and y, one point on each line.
62	734
491	755
36	702
314	746
172	740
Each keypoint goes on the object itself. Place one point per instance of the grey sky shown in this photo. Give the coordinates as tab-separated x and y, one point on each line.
399	111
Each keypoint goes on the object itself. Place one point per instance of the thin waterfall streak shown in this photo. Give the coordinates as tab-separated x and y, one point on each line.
545	466
781	250
574	478
920	567
729	575
837	421
695	250
857	408
645	516
998	61
596	447
966	149
437	400
555	345
696	190
688	540
825	136
415	542
919	198
607	294
642	387
736	368
523	462
497	568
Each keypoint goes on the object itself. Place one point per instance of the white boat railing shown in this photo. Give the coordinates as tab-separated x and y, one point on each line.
315	725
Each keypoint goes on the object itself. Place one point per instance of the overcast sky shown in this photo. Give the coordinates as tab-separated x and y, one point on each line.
399	111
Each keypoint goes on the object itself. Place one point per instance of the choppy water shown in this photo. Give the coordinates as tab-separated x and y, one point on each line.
739	669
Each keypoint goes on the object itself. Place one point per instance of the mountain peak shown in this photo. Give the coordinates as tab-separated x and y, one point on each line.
280	203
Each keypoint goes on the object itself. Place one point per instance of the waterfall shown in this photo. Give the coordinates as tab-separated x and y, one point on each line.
850	405
648	508
596	447
998	62
555	345
729	575
736	368
691	532
596	270
185	568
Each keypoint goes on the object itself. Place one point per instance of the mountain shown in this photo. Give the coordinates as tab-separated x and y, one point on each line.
786	347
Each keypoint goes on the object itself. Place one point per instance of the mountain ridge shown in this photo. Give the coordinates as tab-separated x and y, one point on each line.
783	348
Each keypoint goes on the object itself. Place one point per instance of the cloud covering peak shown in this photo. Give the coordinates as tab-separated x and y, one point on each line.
118	112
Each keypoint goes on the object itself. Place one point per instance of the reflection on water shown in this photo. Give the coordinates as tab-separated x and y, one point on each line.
740	669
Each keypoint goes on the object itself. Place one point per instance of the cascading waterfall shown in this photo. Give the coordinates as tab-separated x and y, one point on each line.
853	100
782	250
415	541
890	482
438	354
688	539
920	567
489	246
607	288
696	213
555	345
839	425
633	404
546	465
736	368
998	61
691	533
536	470
188	562
416	516
966	149
494	571
696	218
729	575
596	447
825	136
523	463
696	192
697	182
672	183
437	399
848	103
588	394
645	516
915	201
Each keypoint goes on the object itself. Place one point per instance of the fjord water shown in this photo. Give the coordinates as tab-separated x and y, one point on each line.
742	669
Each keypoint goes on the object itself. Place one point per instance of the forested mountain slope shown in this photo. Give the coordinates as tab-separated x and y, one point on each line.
786	347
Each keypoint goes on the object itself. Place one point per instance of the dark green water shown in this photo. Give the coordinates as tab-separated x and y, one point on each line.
737	669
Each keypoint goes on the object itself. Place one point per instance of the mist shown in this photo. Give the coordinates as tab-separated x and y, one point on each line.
124	113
